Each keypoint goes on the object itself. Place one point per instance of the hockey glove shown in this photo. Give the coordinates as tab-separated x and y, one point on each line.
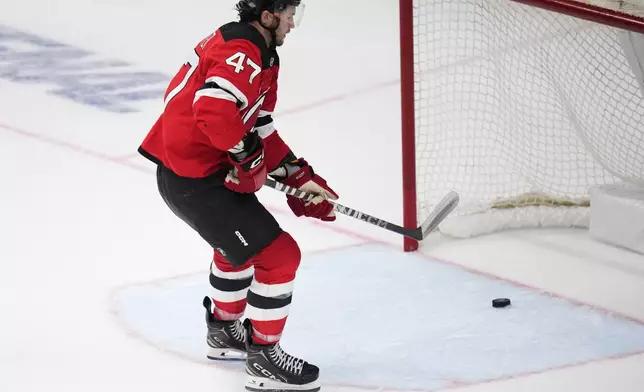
248	172
306	180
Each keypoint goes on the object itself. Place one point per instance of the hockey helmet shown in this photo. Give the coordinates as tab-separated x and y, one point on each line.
250	10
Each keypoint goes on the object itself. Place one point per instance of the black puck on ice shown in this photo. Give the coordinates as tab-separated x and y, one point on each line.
501	302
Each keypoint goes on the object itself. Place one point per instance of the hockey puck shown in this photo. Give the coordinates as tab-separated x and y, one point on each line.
501	302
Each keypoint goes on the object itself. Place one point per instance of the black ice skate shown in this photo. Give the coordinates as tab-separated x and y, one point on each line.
225	339
270	369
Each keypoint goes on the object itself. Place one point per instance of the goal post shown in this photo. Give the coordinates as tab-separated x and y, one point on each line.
408	118
521	106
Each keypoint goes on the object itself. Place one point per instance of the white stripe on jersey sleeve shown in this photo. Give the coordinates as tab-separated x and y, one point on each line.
214	93
265	130
226	85
253	109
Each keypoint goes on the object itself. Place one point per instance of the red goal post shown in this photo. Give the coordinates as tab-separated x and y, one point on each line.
521	106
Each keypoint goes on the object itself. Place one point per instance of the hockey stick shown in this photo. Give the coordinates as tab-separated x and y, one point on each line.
444	208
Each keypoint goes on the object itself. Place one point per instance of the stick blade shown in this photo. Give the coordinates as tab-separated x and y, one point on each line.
442	211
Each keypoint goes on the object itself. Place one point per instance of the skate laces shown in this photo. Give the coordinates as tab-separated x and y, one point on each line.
237	331
287	361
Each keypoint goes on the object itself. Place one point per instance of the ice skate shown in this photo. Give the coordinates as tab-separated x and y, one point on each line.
270	369
225	339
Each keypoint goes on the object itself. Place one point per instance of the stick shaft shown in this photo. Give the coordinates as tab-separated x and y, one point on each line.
339	208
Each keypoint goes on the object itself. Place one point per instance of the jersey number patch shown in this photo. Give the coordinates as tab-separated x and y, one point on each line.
237	61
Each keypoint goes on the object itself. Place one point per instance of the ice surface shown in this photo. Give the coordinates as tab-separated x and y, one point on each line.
373	317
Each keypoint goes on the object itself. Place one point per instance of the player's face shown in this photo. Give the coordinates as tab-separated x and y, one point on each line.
289	19
285	26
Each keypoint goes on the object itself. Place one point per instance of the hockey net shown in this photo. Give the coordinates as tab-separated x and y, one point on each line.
520	109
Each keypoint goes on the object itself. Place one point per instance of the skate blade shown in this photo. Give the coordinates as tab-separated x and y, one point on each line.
225	354
257	384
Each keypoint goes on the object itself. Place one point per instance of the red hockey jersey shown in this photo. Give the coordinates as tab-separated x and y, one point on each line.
227	89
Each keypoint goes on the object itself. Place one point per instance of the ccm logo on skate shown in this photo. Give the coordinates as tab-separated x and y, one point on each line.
264	372
241	238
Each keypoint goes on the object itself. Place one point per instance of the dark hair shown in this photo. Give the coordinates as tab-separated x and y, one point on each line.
250	10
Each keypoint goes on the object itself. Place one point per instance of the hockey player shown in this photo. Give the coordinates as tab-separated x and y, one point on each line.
215	144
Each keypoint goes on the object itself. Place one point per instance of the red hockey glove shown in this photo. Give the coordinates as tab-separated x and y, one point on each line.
248	172
306	180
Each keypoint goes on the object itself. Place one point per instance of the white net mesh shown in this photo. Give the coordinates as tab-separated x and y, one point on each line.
521	111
